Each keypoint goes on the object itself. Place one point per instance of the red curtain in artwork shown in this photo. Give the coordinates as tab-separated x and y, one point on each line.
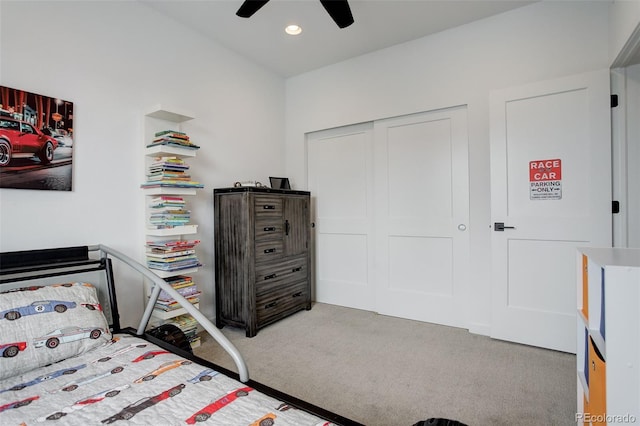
39	104
4	97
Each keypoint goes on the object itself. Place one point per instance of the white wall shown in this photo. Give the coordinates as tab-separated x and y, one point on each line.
624	18
459	66
114	60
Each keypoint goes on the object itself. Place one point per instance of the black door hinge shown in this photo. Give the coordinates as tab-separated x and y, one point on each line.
615	207
614	101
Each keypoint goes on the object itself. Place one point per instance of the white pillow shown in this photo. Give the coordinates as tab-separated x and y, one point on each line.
43	325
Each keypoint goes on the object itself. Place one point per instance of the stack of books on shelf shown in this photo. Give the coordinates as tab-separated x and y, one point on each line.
172	255
189	327
168	212
185	287
172	138
169	172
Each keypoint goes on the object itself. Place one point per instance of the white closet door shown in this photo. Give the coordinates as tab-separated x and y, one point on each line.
422	215
340	181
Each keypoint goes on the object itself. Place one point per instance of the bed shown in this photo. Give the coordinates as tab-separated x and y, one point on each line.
64	357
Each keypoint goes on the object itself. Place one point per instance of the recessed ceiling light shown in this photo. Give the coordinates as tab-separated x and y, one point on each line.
293	29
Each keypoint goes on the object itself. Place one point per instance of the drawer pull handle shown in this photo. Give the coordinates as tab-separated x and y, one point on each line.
271	250
270	305
268	277
269	207
299	268
269	228
298	294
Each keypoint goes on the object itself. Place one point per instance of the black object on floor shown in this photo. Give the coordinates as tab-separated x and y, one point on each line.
172	334
439	422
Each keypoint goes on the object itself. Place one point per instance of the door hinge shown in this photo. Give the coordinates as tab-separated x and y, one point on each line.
614	101
615	207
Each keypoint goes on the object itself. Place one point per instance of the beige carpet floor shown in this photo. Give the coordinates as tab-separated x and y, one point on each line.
387	371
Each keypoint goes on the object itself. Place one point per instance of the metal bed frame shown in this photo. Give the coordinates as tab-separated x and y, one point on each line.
46	264
35	264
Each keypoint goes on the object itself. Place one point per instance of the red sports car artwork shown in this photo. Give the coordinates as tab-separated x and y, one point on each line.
19	139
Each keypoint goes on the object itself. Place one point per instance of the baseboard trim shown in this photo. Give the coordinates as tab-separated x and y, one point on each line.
480	328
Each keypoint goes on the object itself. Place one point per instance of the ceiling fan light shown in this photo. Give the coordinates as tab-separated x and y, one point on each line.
293	29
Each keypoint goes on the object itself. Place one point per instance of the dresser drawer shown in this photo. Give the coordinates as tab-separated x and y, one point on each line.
268	228
269	249
267	206
281	302
281	273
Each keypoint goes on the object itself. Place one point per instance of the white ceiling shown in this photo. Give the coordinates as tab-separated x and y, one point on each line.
378	24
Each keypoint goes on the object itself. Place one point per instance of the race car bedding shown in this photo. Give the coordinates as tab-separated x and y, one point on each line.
132	381
65	360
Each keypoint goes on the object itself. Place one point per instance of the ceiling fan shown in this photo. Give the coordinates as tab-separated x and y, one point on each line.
338	10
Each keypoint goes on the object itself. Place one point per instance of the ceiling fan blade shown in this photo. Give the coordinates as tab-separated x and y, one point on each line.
340	12
249	7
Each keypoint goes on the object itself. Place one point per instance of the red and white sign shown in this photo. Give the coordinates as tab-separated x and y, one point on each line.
545	179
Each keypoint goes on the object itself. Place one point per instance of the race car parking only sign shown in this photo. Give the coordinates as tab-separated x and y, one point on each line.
545	179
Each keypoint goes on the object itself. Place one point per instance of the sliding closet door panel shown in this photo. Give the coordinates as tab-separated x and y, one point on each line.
412	259
421	175
419	155
340	177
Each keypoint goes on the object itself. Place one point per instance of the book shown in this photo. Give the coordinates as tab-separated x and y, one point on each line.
167	208
166	132
170	244
189	293
174	266
173	203
168	162
168	167
172	255
179	281
174	259
166	198
172	138
170	215
174	305
185	322
172	184
166	174
169	172
189	327
180	137
165	255
173	142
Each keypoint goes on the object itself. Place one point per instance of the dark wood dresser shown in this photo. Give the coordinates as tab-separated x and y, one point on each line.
262	255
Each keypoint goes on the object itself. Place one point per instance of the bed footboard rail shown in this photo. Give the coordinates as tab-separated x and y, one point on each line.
159	285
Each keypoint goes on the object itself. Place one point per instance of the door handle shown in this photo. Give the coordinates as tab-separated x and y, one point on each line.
499	226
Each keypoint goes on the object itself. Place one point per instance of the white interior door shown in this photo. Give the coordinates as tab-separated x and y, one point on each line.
422	214
340	180
551	182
